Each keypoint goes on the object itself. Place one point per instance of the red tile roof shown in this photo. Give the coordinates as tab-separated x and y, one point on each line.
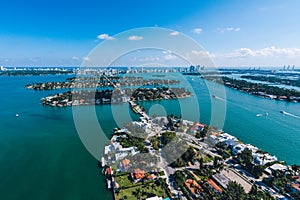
108	171
214	133
192	184
296	186
196	125
139	174
214	185
151	176
125	162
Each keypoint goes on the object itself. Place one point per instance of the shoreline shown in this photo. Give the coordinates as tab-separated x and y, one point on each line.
258	90
262	158
96	97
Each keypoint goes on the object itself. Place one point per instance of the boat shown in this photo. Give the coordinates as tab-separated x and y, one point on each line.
260	114
103	162
108	182
217	97
17	115
283	112
267	114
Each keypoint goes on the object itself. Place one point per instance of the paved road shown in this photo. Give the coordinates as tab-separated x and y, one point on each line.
232	175
168	172
199	145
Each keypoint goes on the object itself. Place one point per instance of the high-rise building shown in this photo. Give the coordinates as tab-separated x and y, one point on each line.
192	68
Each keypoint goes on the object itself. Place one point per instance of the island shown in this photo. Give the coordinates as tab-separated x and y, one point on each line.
173	158
35	71
257	89
294	81
97	97
109	89
100	81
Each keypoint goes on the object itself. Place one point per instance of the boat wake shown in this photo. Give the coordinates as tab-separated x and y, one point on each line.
262	115
290	114
216	97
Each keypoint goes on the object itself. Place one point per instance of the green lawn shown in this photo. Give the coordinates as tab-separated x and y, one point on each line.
123	180
161	173
144	191
207	159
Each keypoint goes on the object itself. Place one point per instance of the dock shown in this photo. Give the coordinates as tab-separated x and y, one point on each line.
137	109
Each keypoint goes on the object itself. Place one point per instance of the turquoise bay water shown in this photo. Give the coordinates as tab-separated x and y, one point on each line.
42	157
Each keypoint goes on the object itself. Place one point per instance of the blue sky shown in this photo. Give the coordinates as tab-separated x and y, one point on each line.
233	32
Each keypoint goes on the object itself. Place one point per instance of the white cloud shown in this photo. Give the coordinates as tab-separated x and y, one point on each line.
197	30
105	36
264	52
269	56
135	37
170	57
274	51
86	58
167	52
240	53
229	29
75	58
199	53
149	59
174	33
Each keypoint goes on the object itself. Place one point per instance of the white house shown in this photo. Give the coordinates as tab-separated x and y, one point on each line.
263	159
187	123
238	148
229	140
123	152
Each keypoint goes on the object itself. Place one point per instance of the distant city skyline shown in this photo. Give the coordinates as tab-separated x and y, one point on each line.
235	33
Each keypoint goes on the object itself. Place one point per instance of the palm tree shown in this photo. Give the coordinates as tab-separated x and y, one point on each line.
253	190
215	163
152	186
201	163
234	191
138	193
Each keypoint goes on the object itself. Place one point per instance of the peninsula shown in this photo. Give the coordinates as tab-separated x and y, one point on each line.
169	157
